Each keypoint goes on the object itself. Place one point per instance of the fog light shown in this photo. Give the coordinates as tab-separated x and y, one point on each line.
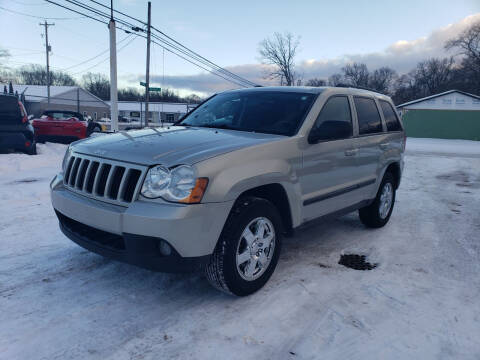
164	248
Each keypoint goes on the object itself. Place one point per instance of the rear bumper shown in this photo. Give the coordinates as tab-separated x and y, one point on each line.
13	140
57	138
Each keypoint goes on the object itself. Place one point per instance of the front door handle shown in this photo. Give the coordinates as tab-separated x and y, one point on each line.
384	146
351	152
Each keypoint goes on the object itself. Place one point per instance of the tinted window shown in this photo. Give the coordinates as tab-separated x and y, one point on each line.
271	112
336	108
369	120
390	117
9	109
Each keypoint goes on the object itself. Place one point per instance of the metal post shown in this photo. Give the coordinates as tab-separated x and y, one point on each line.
147	81
47	51
78	99
113	73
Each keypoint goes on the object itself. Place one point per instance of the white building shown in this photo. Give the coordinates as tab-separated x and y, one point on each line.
158	111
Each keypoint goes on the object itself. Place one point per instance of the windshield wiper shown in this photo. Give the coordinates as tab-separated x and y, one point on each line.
217	126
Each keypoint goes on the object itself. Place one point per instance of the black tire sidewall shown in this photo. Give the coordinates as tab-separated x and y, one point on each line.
257	208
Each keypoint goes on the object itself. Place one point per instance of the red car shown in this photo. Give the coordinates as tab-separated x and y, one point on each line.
63	126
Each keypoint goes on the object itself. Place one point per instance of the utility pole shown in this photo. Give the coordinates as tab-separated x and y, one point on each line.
113	72
48	48
147	81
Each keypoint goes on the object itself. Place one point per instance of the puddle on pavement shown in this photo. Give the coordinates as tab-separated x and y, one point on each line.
356	262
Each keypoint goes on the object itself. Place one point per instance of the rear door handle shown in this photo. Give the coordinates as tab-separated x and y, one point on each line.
351	152
384	146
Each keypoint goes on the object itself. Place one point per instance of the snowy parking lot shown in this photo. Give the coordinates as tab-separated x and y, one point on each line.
422	301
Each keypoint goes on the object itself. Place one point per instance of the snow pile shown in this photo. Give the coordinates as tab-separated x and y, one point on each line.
59	301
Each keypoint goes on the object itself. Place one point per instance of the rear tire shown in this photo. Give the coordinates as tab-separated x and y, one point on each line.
248	248
32	150
378	213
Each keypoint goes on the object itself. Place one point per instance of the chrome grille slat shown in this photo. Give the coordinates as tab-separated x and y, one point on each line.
87	175
73	172
81	173
123	182
97	178
105	180
108	183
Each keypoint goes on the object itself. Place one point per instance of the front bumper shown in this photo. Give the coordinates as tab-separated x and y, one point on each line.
133	234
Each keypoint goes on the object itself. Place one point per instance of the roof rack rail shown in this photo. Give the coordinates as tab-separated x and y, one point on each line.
357	87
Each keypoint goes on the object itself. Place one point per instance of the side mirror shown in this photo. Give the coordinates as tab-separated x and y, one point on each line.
330	130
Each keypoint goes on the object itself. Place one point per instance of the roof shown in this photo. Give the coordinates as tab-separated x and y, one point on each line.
37	93
313	90
438	95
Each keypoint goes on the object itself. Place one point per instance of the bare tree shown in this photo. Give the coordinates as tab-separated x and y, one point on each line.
280	52
356	74
4	54
97	84
37	75
434	75
316	82
381	80
335	79
468	42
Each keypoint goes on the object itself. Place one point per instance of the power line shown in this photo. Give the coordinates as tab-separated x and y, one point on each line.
75	11
190	61
37	17
119	12
217	70
96	56
106	59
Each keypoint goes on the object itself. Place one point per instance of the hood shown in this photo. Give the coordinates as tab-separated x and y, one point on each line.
169	146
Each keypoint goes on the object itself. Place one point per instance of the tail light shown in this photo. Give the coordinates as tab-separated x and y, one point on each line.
24	119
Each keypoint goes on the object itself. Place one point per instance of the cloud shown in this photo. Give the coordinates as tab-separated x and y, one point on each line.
402	55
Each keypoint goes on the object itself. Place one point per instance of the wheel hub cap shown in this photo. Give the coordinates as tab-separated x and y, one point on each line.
386	200
255	248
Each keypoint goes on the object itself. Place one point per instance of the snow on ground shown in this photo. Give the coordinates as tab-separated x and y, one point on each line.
58	301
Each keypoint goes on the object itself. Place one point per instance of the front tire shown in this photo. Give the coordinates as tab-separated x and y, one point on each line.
248	249
378	213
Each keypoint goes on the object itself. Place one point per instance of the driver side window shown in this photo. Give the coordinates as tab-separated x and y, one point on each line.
337	111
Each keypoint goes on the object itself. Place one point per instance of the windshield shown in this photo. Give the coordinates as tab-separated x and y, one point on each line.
271	112
62	115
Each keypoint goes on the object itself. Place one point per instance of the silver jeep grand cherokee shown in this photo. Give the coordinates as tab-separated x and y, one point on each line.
217	191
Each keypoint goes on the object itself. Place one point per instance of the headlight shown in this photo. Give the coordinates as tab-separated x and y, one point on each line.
66	157
178	184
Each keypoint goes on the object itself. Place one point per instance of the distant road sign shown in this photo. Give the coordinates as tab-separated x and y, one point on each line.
151	88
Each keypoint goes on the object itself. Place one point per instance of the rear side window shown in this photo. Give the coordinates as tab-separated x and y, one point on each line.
336	108
369	121
391	118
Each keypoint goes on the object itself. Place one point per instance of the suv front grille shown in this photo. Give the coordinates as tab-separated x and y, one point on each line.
106	180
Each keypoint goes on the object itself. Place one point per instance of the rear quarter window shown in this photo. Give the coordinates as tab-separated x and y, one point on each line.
391	119
369	121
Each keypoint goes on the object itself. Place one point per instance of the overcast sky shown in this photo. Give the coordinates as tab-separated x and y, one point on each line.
332	33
